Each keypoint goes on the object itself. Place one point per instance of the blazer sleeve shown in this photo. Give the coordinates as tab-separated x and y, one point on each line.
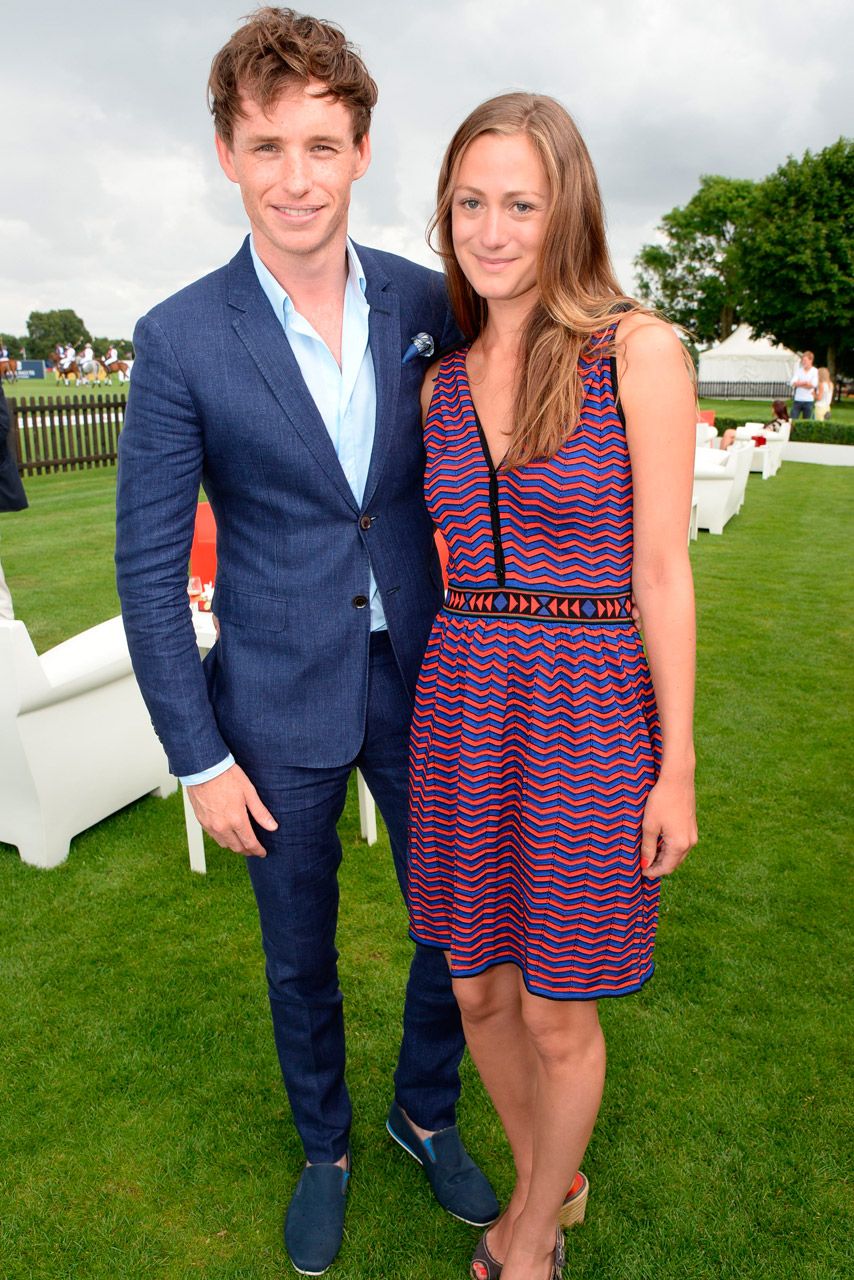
12	495
452	335
160	470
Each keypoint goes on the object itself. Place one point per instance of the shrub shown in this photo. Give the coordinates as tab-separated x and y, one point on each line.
827	432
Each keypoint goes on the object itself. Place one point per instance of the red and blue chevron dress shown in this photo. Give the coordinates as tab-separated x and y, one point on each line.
535	738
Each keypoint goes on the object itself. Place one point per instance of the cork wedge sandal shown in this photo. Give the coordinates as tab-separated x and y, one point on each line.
575	1204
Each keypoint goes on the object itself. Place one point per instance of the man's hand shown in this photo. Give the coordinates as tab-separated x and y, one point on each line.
223	805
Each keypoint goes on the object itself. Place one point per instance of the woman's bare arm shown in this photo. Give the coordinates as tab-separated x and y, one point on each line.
659	404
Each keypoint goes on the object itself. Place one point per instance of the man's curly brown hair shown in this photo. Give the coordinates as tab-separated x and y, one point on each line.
277	49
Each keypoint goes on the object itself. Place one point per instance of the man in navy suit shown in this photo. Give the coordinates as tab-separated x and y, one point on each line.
12	496
286	383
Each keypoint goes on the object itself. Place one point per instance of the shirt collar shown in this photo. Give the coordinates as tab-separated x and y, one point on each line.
278	297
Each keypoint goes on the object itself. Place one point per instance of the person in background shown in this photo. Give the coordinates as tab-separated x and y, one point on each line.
804	384
12	495
781	419
781	416
824	399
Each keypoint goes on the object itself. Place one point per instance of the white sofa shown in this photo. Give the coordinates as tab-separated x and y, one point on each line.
720	481
76	742
706	435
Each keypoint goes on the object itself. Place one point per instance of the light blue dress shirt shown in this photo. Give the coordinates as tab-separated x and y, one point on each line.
346	398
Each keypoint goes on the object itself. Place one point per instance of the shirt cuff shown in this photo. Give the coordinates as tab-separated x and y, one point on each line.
193	779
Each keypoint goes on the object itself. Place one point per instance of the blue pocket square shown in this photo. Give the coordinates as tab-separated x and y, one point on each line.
421	345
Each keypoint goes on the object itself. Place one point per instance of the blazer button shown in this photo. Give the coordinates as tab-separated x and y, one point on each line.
365	522
359	602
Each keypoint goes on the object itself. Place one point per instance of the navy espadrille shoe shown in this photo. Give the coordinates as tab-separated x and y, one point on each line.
314	1222
457	1183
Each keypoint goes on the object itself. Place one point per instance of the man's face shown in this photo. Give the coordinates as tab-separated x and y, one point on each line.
295	166
807	362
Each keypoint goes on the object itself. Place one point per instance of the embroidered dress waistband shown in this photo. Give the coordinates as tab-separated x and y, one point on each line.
539	606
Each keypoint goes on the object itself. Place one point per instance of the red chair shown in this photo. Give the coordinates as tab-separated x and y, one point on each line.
203	551
706	415
442	548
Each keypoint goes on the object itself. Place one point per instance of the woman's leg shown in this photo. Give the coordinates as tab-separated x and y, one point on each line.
568	1048
491	1007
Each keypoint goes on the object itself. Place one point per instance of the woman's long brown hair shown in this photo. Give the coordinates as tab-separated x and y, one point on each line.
578	291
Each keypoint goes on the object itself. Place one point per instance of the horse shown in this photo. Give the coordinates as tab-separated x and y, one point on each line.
65	375
116	366
9	369
88	369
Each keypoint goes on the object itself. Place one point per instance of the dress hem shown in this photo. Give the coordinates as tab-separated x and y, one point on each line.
601	994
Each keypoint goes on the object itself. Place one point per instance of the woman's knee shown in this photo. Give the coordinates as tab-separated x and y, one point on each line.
563	1033
486	995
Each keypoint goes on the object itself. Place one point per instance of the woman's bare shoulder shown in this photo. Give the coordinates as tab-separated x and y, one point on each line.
646	334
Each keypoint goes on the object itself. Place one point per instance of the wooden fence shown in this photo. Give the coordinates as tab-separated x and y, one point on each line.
65	434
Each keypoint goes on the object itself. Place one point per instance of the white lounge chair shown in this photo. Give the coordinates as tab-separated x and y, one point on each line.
720	480
706	435
76	742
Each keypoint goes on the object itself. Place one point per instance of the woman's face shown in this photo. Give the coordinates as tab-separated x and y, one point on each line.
498	216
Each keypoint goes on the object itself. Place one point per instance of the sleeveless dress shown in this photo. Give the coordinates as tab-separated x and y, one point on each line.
535	738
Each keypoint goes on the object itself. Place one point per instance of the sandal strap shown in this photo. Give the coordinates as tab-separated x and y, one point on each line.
560	1256
483	1265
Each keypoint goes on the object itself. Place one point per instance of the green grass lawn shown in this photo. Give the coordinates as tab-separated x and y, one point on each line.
744	410
760	410
26	387
144	1133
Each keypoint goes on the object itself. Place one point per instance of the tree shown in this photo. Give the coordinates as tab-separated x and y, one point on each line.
121	345
693	276
13	342
47	328
795	251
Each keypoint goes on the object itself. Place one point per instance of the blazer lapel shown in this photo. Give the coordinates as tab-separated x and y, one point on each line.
261	333
384	338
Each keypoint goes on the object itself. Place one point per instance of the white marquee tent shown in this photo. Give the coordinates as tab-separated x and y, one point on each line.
740	358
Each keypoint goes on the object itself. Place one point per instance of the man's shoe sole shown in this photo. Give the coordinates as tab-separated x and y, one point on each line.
469	1221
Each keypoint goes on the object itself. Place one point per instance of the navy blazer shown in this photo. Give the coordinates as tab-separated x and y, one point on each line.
216	397
12	495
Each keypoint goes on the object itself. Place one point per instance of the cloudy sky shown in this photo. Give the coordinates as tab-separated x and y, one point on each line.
112	198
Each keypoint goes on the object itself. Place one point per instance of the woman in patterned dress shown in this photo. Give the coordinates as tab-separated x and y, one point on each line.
552	759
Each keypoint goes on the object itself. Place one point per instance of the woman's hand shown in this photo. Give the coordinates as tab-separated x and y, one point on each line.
669	825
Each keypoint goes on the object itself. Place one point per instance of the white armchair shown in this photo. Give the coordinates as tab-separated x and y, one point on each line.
706	435
76	742
720	481
766	457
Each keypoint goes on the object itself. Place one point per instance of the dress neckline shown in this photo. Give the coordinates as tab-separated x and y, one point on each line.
494	467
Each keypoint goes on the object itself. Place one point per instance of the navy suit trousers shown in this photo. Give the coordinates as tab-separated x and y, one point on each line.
296	888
